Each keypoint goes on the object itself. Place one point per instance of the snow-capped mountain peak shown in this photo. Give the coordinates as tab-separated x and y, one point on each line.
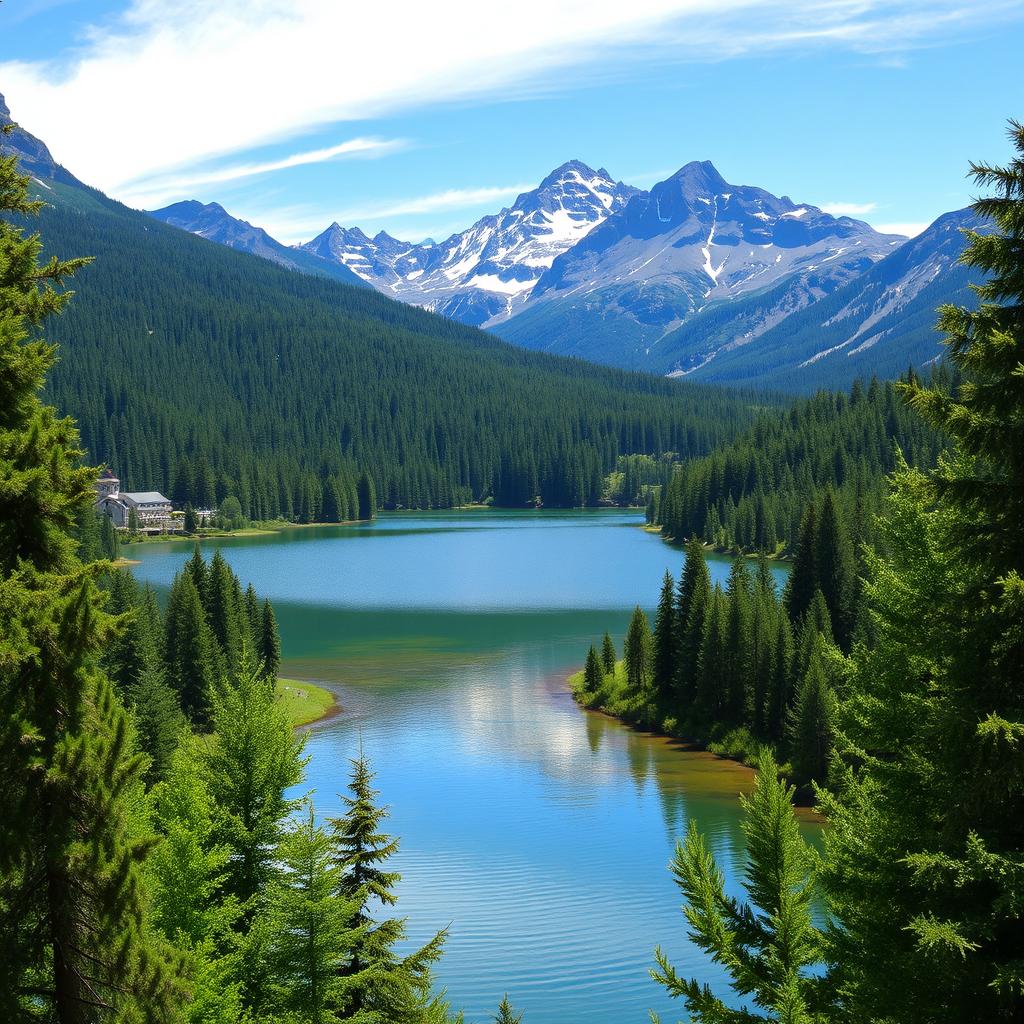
485	272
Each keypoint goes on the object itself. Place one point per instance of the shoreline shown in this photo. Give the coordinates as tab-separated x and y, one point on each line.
803	798
307	703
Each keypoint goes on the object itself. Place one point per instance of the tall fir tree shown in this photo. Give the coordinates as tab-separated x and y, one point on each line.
608	656
694	599
638	653
376	981
76	945
269	650
835	570
592	674
924	852
312	927
666	641
255	759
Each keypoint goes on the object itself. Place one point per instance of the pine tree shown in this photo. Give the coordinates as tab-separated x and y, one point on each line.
76	944
269	650
803	578
709	696
924	853
638	652
769	943
256	758
191	523
835	568
367	493
224	611
608	656
376	982
189	871
189	651
813	721
694	599
666	641
506	1014
738	676
592	674
311	927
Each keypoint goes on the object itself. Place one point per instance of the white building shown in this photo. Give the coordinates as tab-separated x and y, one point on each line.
152	509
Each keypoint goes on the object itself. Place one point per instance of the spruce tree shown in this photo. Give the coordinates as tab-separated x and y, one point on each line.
224	611
666	641
189	871
76	944
608	656
709	696
254	760
506	1013
592	674
803	578
376	981
638	652
367	493
924	852
311	927
694	598
269	650
835	568
738	676
190	523
813	721
768	943
190	658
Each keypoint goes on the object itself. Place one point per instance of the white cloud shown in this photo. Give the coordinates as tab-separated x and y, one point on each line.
908	228
172	85
847	209
150	192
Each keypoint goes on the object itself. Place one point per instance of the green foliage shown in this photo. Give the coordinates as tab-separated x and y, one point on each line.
592	670
639	652
925	864
76	943
254	759
377	983
269	648
750	494
310	926
506	1013
666	639
767	944
608	656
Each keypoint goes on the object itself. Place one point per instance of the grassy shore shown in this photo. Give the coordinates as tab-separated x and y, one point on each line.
305	702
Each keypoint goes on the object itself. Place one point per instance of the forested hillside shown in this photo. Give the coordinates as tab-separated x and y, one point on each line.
205	372
751	494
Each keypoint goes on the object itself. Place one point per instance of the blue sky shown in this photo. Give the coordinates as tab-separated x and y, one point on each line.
419	118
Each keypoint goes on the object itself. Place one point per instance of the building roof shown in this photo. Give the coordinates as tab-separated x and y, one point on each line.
145	497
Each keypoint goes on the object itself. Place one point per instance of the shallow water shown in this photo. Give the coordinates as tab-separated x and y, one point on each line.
538	833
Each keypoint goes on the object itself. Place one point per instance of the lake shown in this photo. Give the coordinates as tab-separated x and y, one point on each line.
538	833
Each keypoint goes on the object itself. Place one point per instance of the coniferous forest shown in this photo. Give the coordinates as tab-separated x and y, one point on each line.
205	373
156	862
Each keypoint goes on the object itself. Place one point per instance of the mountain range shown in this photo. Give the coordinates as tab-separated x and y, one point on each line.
694	277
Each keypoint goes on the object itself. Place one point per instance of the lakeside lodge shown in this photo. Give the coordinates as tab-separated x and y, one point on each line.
153	511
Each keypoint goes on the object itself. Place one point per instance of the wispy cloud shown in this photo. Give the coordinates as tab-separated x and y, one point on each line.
847	209
150	190
170	86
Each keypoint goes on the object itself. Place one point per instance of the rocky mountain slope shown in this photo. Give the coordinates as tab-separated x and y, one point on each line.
485	273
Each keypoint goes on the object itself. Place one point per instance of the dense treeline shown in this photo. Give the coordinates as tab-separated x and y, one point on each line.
750	495
204	372
922	873
742	667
